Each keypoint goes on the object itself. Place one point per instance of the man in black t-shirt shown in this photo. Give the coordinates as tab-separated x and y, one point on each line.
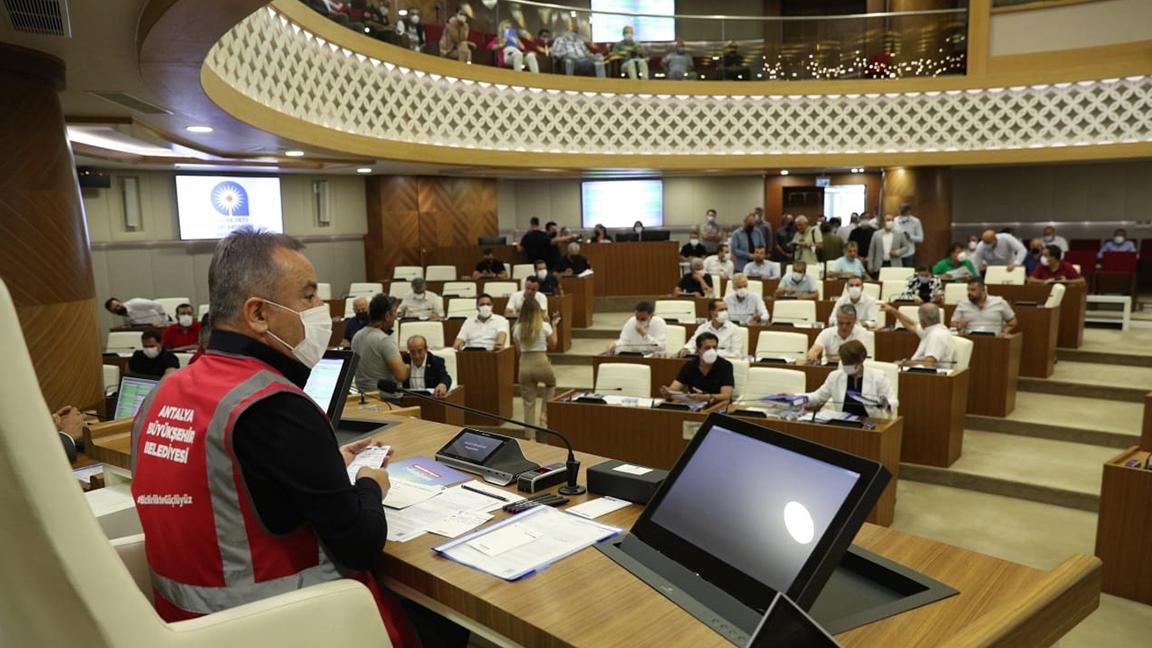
573	263
490	267
153	360
706	378
535	244
696	282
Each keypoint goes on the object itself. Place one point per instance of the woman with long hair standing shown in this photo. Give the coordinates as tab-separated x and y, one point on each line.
533	335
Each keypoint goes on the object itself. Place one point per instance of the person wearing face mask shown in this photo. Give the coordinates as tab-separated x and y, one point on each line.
633	57
744	306
720	264
983	312
889	247
923	288
695	281
454	41
862	234
138	311
422	303
797	284
913	229
644	332
707	378
549	282
600	234
936	345
273	505
998	249
828	343
745	240
414	30
1049	237
1118	243
808	241
729	336
866	308
954	267
693	249
380	358
711	232
531	290
854	388
760	267
184	335
573	263
153	360
847	266
484	330
846	230
678	63
359	319
1053	267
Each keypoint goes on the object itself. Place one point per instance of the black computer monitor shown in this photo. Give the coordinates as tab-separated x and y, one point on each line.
627	237
657	235
329	381
493	240
133	391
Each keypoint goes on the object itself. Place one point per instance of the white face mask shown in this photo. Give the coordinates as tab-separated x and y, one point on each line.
709	356
854	292
722	316
888	226
849	369
693	242
972	245
1117	239
485	310
741	292
637	229
151	352
1045	260
541	274
723	256
317	324
797	277
1049	239
185	320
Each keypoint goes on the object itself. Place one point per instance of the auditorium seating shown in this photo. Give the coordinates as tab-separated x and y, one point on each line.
869	343
766	381
675	338
755	287
407	273
625	379
891	371
896	274
365	289
793	311
680	310
954	293
909	311
123	342
500	288
523	270
778	344
399	289
170	304
459	289
461	307
891	289
201	311
432	331
440	273
1056	296
962	352
324	291
1001	275
449	356
739	376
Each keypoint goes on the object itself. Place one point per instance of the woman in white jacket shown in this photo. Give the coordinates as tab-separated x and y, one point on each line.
876	399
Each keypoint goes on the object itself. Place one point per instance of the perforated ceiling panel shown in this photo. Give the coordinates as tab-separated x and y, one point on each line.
39	16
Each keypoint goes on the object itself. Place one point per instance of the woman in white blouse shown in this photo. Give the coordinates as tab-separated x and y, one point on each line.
855	389
532	334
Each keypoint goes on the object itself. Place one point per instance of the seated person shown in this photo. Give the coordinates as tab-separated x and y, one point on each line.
729	337
828	343
923	288
982	311
1053	267
509	41
798	283
425	370
379	357
696	282
359	319
707	377
760	267
454	41
642	333
573	263
484	330
720	264
600	234
153	360
1032	260
745	307
854	388
137	311
848	265
549	282
678	63
531	291
70	426
632	56
936	344
693	249
421	303
490	267
955	266
184	335
576	54
1118	243
866	307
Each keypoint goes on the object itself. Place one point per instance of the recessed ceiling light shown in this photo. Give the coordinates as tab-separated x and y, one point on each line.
783	171
364	170
294	153
199	129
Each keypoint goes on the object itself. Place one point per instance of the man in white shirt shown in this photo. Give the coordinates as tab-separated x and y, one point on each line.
720	264
827	344
745	306
422	303
728	334
484	329
998	249
138	311
913	229
867	310
642	333
760	267
1050	238
848	265
936	344
531	290
983	312
798	284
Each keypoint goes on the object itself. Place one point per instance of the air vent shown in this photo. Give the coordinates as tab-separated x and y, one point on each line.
131	103
48	17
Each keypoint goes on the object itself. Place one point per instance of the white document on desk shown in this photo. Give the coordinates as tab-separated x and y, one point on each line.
449	513
526	543
593	509
403	494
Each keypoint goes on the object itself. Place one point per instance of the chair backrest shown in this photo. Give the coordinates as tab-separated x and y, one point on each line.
998	274
1118	262
459	288
111	377
814	270
1056	296
681	310
755	287
962	352
1084	260
123	341
954	293
890	290
521	270
170	304
788	311
348	312
624	379
432	331
324	291
407	273
500	288
910	311
399	289
201	311
449	355
869	343
461	306
676	337
365	289
891	371
184	358
896	274
777	343
764	381
440	273
739	377
870	289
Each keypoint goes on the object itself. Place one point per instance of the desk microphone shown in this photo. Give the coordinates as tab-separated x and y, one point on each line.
573	466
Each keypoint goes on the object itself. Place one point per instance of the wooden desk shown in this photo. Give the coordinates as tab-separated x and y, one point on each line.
556	304
1072	307
1124	527
434	411
583	292
1040	328
488	378
754	331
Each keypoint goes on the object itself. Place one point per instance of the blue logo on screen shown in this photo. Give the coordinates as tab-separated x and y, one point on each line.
230	199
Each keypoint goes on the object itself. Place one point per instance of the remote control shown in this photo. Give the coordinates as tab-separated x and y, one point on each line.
547	499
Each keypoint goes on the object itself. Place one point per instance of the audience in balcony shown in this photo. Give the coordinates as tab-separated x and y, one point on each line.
543	43
732	66
1118	243
577	54
454	42
413	29
509	44
632	56
678	63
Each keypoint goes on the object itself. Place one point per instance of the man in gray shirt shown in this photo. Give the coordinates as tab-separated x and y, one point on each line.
983	312
380	358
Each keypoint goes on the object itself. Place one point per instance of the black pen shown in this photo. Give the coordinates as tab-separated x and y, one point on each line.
477	490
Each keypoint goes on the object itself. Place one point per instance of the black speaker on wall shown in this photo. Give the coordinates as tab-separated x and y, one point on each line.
93	178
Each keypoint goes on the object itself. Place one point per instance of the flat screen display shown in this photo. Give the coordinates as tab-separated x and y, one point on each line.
133	391
609	27
473	447
620	203
211	207
324	380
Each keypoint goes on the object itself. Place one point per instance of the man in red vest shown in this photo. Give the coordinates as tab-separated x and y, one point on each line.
241	488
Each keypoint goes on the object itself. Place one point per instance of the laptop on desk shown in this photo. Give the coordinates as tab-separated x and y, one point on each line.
328	385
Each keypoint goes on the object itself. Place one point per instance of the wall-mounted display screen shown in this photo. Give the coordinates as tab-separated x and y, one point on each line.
620	203
211	207
609	27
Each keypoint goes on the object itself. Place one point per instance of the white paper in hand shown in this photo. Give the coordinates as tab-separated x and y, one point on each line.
370	457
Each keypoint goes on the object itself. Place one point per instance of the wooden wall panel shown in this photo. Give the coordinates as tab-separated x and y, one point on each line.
774	190
929	192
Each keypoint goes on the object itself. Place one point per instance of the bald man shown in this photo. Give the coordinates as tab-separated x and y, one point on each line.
357	321
998	249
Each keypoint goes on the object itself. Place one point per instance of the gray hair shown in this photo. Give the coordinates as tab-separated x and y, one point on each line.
738	276
573	247
929	314
848	310
244	266
416	337
697	264
801	219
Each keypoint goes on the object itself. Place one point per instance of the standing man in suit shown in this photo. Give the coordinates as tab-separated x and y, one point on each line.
426	371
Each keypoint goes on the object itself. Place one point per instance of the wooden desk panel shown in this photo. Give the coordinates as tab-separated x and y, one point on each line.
430	411
488	379
1124	527
583	293
633	268
1040	328
995	368
893	345
1146	434
1072	307
933	407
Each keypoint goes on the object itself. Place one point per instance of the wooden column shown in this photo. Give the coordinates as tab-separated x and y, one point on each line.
929	192
45	258
979	24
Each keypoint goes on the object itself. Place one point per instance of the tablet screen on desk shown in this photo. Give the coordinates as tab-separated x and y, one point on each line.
473	446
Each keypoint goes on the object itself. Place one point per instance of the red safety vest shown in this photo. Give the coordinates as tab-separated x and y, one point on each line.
206	546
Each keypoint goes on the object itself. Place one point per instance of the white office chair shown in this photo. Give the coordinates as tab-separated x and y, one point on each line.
624	379
201	311
461	306
1056	297
522	270
123	342
184	358
814	270
910	311
675	338
324	291
787	311
399	289
170	304
755	287
407	273
739	378
896	274
742	334
869	343
55	554
365	289
891	371
954	293
961	352
681	310
1000	275
766	381
500	288
449	355
432	331
890	290
348	311
1077	266
459	288
111	378
777	344
440	273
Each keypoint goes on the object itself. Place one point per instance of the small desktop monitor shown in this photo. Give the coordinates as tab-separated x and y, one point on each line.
657	235
493	240
329	381
133	391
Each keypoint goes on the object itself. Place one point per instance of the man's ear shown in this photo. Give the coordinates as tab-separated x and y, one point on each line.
254	314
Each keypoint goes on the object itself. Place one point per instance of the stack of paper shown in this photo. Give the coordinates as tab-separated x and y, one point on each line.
448	512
